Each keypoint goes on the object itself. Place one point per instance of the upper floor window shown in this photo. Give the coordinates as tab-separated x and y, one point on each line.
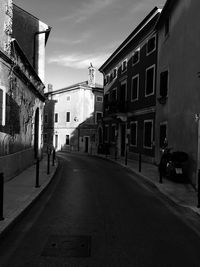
68	117
164	83
45	118
124	65
113	94
151	45
135	88
107	79
115	73
136	57
56	117
150	81
68	97
99	99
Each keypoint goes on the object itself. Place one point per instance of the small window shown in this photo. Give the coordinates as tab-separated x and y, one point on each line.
136	57
68	97
99	99
56	141
56	117
45	118
98	116
135	88
149	81
148	134
164	83
67	139
113	131
166	25
124	65
115	73
133	137
68	117
107	80
151	45
106	134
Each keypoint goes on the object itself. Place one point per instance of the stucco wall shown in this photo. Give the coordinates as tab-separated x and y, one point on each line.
179	54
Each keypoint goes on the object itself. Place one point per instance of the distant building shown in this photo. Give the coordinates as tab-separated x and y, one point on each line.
21	89
130	93
77	111
178	81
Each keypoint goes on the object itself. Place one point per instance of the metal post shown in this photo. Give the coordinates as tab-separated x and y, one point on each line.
140	162
53	157
126	155
198	205
48	163
37	173
1	195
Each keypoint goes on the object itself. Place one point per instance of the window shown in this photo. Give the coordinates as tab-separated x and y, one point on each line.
136	57
67	139
149	81
106	134
124	65
115	73
113	131
99	115
163	83
56	141
166	25
68	97
135	87
68	117
148	134
114	94
45	138
163	134
56	117
45	118
99	98
151	45
107	79
133	137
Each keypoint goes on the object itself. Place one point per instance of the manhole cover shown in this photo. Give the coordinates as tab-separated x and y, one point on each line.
67	246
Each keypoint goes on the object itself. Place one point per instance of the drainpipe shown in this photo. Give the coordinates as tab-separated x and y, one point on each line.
34	43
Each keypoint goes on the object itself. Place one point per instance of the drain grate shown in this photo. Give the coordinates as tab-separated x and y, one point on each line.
67	246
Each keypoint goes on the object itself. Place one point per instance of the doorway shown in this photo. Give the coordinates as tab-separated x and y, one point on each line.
86	144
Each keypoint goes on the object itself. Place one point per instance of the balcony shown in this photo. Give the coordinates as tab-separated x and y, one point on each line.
113	107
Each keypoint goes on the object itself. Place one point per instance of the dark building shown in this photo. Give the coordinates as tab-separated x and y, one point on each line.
130	92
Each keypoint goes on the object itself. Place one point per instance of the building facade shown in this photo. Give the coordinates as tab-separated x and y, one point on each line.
21	98
130	93
77	111
178	83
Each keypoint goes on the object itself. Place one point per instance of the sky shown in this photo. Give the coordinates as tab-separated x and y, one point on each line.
84	31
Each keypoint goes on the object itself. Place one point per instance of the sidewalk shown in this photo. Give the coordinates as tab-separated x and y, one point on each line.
20	192
182	194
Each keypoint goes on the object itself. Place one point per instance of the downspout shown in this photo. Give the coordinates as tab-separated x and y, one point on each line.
34	43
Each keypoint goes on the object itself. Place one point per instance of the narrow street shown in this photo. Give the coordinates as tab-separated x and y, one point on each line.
95	213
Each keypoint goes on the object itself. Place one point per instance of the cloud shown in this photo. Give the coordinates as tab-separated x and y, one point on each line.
78	60
88	9
68	41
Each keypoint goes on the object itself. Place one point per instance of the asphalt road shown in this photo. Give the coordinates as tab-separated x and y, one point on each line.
96	213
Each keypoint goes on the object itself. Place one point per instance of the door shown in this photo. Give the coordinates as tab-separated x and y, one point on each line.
86	144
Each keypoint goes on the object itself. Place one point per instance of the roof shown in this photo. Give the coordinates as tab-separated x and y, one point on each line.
76	86
133	34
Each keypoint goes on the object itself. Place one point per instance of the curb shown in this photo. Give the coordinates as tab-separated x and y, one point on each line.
8	223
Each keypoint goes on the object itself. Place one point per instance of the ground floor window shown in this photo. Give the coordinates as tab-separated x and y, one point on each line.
67	139
133	137
148	134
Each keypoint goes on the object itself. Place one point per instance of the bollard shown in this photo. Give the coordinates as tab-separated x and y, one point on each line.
1	195
48	163
140	162
198	205
53	157
37	173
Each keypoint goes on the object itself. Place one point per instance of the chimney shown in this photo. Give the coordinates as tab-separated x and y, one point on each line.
91	76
